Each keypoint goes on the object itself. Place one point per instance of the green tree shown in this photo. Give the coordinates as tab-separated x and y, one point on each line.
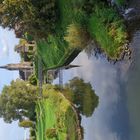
34	17
18	101
82	95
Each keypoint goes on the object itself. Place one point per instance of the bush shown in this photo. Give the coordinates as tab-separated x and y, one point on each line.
108	30
51	133
32	79
32	134
26	123
77	36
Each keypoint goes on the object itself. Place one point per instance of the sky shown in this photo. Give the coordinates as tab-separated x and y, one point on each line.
7	55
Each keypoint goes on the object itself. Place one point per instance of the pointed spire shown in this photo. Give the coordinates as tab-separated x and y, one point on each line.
18	66
3	67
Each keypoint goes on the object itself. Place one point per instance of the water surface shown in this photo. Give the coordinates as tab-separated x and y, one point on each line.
117	115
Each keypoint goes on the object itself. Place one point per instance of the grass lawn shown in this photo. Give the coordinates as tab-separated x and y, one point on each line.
56	118
55	53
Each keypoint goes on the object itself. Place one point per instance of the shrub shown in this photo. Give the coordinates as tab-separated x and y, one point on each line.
32	79
26	123
51	133
108	30
77	36
32	134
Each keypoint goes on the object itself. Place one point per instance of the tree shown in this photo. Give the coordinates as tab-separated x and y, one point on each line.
34	17
82	95
18	101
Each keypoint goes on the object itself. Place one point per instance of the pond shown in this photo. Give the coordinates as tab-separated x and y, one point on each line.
117	115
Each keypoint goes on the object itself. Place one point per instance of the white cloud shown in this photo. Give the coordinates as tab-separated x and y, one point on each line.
5	48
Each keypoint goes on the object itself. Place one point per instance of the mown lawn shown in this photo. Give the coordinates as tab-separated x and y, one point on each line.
55	55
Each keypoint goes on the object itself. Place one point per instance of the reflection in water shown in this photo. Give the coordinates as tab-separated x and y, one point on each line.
82	95
110	120
133	89
117	115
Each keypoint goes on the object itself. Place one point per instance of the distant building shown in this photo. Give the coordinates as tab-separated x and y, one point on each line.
25	48
25	69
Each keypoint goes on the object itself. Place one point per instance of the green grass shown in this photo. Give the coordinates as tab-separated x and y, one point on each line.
71	12
120	2
107	28
51	50
103	25
55	112
55	52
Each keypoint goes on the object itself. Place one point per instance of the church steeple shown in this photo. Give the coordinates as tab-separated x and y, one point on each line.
3	67
18	66
25	69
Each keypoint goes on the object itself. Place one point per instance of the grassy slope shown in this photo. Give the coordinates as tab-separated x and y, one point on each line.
52	51
56	55
55	51
56	112
104	26
107	28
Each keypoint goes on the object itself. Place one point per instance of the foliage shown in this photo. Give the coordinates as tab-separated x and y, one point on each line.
28	16
18	101
82	95
33	79
120	2
51	133
108	29
79	22
55	52
71	12
77	37
65	24
88	6
51	50
26	123
32	133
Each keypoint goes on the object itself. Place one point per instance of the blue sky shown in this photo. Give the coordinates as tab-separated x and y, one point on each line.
7	55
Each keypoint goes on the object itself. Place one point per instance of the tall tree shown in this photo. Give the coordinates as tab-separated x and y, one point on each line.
18	101
34	17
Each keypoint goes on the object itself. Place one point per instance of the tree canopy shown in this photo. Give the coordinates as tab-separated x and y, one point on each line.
17	101
30	16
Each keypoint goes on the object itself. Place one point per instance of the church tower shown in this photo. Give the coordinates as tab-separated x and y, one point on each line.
25	69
